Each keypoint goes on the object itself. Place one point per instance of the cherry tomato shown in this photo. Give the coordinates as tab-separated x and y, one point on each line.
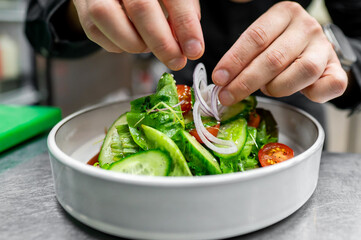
254	119
185	94
213	130
273	153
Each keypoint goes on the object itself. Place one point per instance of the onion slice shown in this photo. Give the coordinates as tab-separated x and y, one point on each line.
207	104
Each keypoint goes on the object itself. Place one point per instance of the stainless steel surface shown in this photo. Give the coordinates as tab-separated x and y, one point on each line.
29	209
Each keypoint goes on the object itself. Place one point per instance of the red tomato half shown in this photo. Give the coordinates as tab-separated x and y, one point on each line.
213	130
254	119
185	94
273	153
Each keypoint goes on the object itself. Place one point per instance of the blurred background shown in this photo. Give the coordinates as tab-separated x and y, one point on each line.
29	79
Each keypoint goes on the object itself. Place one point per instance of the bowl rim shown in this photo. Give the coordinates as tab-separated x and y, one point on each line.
207	180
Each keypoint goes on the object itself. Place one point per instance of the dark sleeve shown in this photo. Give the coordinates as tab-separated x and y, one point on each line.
347	15
46	31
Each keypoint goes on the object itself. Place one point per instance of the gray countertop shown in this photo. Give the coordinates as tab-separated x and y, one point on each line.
29	209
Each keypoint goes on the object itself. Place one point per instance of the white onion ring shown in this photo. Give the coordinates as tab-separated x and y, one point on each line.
207	104
207	138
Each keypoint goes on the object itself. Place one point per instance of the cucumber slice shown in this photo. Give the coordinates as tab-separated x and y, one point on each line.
247	158
118	143
200	161
158	140
149	163
235	131
239	110
250	143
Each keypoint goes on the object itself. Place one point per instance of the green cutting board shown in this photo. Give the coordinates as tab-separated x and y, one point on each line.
19	123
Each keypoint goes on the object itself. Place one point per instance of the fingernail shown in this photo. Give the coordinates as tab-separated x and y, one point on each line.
226	97
192	48
221	77
176	63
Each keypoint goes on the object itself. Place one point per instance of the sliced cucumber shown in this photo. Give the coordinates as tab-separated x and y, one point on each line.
235	131
200	161
247	158
158	140
250	143
239	110
150	163
118	143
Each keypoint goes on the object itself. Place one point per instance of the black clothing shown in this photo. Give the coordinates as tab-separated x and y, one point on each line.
222	21
46	31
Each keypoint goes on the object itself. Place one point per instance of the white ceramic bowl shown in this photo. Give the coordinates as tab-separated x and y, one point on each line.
207	207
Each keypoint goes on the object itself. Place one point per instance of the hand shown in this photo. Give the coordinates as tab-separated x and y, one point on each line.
282	52
137	26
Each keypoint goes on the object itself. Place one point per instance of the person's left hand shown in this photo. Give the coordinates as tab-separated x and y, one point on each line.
282	52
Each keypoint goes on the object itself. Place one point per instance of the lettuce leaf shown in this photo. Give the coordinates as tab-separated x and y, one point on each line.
145	111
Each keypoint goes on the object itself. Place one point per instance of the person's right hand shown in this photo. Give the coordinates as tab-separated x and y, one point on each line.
137	26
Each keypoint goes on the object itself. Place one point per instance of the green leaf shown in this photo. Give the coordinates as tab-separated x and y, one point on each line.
157	111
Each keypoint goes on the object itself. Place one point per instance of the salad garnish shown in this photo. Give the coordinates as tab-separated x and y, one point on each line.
207	104
184	131
167	107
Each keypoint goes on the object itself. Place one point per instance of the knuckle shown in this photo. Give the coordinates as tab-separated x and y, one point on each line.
242	88
183	20
311	26
294	7
236	59
310	68
91	30
276	59
162	47
97	9
338	85
138	6
257	36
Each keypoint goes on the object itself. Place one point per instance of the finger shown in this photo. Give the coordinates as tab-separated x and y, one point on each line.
153	27
197	6
332	83
303	72
184	20
92	31
112	21
254	40
267	65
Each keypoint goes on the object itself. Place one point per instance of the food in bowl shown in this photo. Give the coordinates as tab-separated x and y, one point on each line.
184	131
206	207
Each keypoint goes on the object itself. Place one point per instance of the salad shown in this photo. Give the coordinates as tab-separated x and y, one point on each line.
185	131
